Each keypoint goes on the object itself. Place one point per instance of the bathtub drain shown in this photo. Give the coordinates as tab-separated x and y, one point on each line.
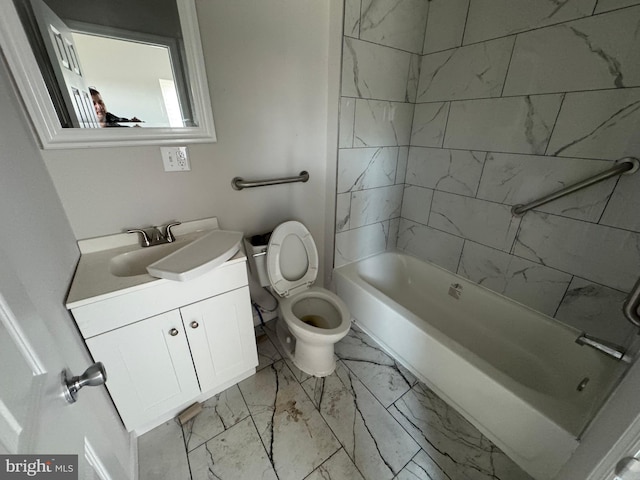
583	384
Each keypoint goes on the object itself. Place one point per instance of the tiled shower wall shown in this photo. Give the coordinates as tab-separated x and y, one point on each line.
452	111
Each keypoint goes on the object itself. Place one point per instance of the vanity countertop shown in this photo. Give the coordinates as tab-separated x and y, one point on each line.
94	281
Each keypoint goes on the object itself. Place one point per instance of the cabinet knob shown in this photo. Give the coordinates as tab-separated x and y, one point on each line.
173	332
194	324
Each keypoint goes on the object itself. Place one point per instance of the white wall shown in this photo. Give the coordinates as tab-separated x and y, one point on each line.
267	65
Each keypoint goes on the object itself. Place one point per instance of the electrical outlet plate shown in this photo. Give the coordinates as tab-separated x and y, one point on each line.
175	159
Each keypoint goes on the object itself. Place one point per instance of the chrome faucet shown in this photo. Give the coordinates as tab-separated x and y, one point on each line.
608	348
155	235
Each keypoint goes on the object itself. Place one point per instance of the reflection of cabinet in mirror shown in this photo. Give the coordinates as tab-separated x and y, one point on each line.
172	94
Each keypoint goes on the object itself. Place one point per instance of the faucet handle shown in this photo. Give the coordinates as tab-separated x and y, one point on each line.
168	234
144	237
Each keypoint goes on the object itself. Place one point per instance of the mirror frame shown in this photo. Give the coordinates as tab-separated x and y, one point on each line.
31	85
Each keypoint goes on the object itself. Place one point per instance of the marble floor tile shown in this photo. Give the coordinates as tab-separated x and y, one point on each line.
422	467
278	425
381	374
456	446
377	444
296	437
218	414
161	453
338	467
235	453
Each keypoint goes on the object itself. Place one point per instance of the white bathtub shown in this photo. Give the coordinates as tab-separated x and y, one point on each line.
508	369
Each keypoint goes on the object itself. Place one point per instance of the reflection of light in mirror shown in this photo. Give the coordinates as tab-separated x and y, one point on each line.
171	103
128	75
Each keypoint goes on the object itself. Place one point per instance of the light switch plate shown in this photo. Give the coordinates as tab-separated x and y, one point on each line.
175	159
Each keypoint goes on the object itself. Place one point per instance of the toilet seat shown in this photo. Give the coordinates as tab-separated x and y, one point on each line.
292	259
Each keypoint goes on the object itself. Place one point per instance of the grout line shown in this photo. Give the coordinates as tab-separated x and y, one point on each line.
359	20
446	125
433	194
466	20
515	238
555	123
406	86
426	26
464	243
534	94
566	290
484	163
613	190
506	74
187	454
353	130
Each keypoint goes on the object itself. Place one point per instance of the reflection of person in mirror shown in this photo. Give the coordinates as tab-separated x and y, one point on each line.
105	118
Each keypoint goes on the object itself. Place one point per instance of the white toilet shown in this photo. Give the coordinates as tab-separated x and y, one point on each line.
311	319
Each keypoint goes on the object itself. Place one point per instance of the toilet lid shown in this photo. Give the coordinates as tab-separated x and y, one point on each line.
292	259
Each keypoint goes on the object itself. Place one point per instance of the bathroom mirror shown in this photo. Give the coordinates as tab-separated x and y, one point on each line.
145	59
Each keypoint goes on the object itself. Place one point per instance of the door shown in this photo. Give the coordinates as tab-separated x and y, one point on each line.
34	416
151	367
66	65
38	337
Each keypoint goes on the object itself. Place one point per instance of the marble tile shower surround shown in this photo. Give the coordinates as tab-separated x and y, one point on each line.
370	420
503	101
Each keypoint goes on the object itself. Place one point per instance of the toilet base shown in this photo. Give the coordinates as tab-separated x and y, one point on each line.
315	360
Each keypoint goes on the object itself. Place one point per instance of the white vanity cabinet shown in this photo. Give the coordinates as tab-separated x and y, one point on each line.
169	344
149	367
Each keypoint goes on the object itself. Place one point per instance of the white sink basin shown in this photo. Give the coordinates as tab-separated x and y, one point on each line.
130	264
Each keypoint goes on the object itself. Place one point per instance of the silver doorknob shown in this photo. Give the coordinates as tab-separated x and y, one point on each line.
93	376
628	468
194	324
173	332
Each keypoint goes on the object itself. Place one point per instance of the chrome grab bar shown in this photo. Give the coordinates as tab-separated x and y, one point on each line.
631	305
238	183
626	166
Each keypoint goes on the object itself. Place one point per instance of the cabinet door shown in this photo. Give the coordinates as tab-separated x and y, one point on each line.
149	368
221	336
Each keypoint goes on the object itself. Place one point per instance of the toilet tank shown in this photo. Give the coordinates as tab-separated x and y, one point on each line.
256	249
